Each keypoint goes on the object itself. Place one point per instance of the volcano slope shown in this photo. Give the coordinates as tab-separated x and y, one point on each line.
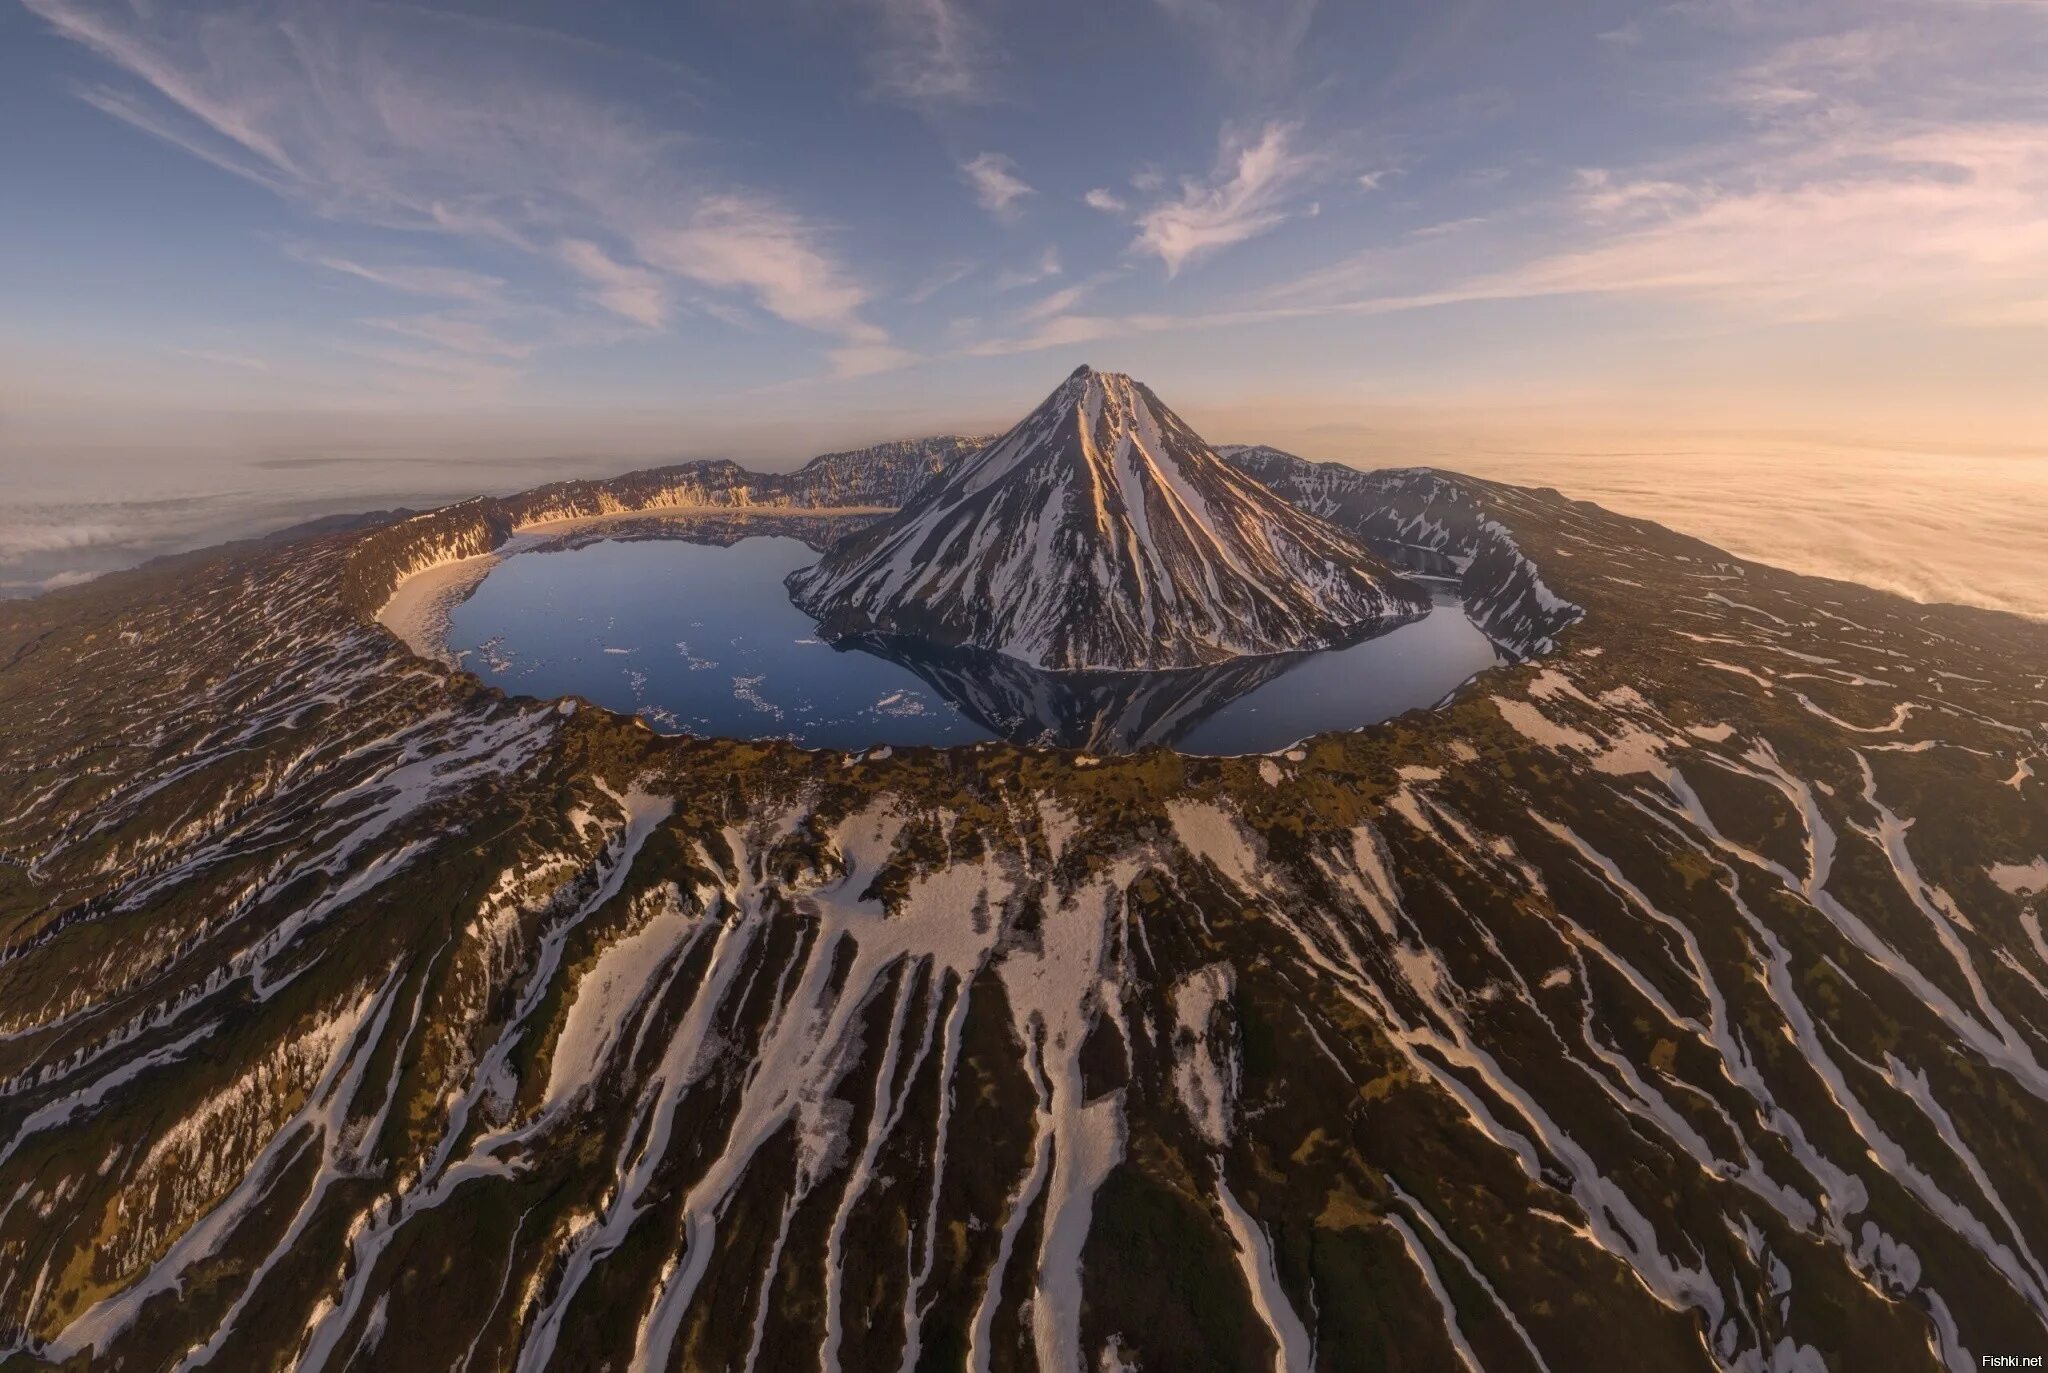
1672	999
1102	534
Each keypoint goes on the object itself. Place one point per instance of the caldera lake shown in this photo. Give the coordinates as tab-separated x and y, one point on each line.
700	637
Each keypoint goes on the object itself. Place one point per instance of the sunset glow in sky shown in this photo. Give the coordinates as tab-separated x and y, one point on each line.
1362	230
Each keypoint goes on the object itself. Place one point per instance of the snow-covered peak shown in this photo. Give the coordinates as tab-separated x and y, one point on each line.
1102	533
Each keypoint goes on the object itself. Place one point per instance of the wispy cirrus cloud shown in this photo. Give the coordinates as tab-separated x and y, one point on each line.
749	243
1949	226
1069	330
1939	220
410	278
869	359
1045	268
486	133
996	185
1799	73
1896	169
457	335
942	279
482	315
629	291
1244	196
1894	159
930	53
1058	303
1444	228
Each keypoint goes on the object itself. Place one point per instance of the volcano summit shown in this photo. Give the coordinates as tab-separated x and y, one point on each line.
1103	534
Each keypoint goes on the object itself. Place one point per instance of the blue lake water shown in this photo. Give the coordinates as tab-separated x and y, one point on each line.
699	638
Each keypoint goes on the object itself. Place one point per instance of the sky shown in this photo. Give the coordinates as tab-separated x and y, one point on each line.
298	255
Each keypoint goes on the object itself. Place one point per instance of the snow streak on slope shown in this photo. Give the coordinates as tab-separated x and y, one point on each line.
1103	534
1628	1011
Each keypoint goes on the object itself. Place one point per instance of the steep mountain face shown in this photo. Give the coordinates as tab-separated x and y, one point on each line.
1677	1001
1103	534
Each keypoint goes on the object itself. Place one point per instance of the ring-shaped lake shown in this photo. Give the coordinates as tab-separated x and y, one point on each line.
701	638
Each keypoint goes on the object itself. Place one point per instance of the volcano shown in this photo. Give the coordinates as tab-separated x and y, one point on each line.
1103	534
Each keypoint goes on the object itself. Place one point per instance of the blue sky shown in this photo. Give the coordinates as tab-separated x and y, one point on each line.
901	213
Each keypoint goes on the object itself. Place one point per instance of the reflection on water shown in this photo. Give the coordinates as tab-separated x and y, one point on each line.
1413	666
1252	705
1099	712
694	638
701	638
